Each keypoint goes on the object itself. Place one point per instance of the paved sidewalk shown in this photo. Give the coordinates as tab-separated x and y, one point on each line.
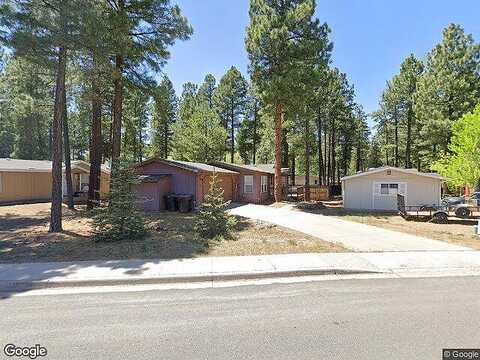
89	273
352	235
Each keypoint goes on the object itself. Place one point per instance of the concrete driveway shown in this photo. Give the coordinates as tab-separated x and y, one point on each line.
355	236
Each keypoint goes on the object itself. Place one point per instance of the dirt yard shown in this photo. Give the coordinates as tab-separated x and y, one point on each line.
456	232
24	237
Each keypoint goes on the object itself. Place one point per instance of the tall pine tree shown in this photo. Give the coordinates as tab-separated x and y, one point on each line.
284	43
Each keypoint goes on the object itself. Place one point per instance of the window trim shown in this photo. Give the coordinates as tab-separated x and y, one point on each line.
1	183
264	183
245	184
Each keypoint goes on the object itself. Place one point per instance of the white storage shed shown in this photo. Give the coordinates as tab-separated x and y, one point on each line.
377	189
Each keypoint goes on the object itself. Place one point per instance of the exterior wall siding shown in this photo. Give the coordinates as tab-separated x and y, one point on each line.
257	196
80	176
358	193
182	181
30	186
150	196
25	187
104	185
228	182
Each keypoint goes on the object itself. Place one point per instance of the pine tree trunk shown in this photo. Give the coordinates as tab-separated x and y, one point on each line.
359	160
386	143
68	164
337	180
329	159
165	140
307	160
117	108
96	145
408	162
57	127
254	143
232	134
319	147
278	152
396	138
334	155
325	143
50	143
140	140
292	168
285	149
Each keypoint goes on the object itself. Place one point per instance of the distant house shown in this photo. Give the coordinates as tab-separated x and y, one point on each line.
377	189
160	177
80	179
300	180
24	181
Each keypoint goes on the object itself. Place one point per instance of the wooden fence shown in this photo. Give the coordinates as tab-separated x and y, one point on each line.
317	192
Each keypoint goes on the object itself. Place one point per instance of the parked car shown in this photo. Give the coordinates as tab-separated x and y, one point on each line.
462	205
475	198
453	200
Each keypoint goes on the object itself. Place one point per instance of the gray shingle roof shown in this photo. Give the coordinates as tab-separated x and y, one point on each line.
188	165
25	165
202	167
406	171
7	164
152	178
263	168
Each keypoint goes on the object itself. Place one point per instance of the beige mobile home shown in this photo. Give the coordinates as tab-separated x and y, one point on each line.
25	181
377	189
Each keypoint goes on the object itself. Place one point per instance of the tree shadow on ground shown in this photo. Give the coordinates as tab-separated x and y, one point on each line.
12	222
341	212
150	251
33	254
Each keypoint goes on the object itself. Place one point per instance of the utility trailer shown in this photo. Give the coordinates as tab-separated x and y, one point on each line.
437	214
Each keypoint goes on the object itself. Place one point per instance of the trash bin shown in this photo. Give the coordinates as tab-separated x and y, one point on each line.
171	202
185	203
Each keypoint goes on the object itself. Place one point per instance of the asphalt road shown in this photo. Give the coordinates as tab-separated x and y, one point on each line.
347	319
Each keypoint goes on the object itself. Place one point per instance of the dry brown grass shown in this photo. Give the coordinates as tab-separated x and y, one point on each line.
24	237
456	232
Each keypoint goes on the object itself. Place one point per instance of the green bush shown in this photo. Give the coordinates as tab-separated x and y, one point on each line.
212	220
119	219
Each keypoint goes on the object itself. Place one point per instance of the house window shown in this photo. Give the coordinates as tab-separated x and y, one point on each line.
248	184
389	189
264	183
384	189
393	189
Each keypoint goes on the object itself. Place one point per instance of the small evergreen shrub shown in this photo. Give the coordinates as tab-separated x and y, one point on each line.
119	219
212	220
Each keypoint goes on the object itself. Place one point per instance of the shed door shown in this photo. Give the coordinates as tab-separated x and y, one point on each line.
385	194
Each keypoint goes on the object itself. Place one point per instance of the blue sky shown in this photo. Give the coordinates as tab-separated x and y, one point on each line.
371	37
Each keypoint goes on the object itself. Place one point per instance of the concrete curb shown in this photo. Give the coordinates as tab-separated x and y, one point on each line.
18	285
